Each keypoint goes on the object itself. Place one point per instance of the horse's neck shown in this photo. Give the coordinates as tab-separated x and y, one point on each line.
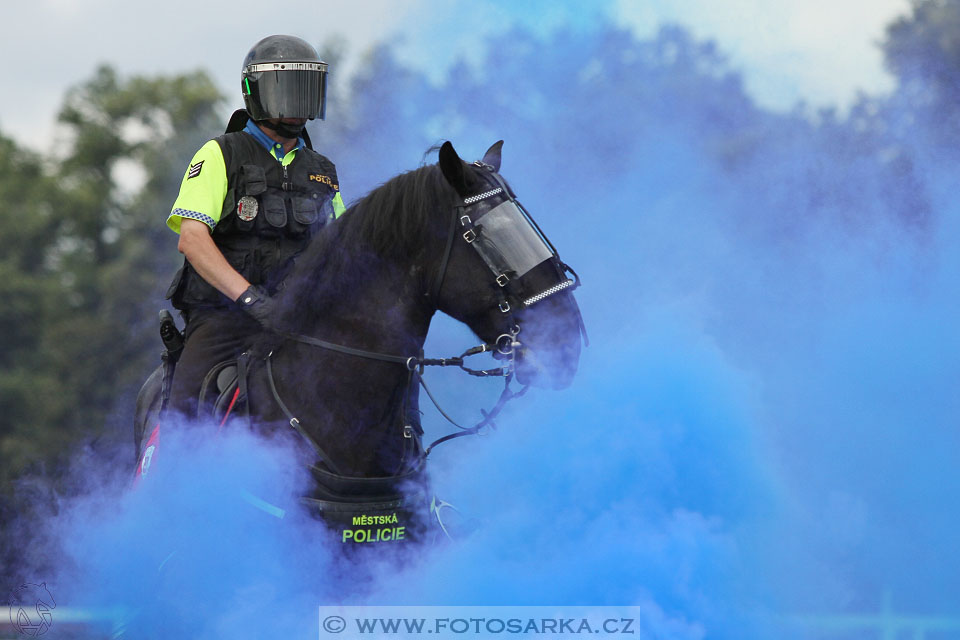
350	404
379	309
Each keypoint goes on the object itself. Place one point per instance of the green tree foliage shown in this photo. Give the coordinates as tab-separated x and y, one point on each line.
31	289
86	257
120	248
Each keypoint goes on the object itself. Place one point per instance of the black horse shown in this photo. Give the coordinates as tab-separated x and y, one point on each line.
342	373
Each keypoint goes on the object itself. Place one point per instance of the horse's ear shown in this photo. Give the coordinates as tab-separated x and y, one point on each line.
492	156
452	167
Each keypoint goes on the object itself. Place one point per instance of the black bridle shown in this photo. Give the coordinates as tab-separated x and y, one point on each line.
473	230
503	348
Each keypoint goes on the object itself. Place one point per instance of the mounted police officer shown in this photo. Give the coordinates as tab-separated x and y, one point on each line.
249	202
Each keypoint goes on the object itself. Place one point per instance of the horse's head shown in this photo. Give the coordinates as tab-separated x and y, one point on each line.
501	276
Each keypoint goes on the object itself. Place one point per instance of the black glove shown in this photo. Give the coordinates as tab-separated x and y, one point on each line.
259	306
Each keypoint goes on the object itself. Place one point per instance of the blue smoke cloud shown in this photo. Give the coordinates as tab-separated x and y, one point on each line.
763	425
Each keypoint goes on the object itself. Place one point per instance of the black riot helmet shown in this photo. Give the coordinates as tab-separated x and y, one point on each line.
284	77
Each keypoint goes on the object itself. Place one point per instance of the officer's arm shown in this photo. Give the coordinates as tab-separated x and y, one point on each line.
198	247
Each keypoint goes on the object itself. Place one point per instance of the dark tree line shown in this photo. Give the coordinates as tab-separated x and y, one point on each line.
81	254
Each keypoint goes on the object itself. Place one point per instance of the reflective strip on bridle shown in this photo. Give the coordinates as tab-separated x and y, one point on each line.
482	196
549	292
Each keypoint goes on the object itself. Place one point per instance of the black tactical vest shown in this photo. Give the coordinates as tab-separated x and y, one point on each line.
269	214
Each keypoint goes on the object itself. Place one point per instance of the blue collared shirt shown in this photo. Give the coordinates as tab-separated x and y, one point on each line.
271	145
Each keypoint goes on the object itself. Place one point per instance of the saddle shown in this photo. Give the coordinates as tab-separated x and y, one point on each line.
218	393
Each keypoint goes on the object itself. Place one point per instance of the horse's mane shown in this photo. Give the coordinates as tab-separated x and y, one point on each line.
393	217
388	223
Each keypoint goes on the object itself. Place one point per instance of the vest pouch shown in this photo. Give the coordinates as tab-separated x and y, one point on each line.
254	179
274	213
305	215
175	284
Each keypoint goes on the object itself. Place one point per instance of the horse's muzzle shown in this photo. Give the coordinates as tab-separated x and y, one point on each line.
550	343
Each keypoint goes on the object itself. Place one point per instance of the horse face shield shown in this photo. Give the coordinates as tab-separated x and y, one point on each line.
527	271
524	264
508	243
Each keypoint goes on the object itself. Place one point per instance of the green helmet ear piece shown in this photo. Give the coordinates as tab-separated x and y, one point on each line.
246	82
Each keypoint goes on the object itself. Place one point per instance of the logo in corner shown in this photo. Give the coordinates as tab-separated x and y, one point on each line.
30	608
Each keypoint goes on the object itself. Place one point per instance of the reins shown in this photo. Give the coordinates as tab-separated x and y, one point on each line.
505	346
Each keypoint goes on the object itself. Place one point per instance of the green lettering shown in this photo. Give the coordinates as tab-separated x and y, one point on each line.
386	534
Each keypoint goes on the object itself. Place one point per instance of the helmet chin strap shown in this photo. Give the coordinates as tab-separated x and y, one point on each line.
284	129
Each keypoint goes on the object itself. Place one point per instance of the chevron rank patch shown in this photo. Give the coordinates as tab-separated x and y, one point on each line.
195	170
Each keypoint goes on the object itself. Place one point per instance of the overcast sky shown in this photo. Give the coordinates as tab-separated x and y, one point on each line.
820	51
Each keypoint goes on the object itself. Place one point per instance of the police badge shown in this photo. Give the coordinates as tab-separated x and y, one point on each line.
247	208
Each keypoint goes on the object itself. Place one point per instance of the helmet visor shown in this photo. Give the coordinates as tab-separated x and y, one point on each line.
287	89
